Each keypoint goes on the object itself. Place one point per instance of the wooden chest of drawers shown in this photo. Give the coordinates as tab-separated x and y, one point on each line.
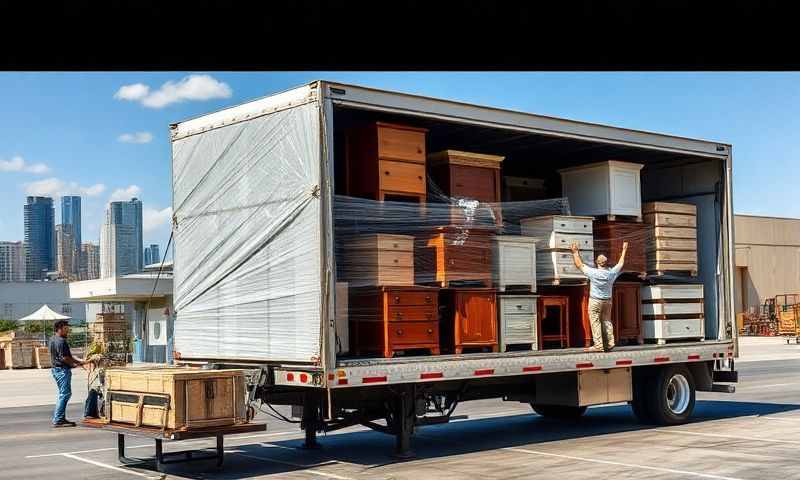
609	237
453	255
391	319
672	312
386	162
514	262
671	237
377	259
517	315
554	235
469	318
605	188
467	175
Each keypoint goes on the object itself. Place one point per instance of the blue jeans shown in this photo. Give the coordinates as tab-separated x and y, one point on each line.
63	378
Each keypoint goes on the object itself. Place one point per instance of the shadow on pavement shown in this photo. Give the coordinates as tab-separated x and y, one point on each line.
368	449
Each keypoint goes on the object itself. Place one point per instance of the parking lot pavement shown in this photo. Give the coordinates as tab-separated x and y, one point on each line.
753	434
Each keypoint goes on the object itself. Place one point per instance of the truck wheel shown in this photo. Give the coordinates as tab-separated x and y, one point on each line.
641	388
671	395
559	411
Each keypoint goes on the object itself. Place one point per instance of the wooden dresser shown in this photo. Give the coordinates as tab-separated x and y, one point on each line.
514	262
386	162
554	236
609	237
517	315
391	319
377	259
453	255
672	237
474	176
469	319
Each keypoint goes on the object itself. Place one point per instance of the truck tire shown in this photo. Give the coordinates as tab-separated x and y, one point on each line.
671	395
641	387
559	411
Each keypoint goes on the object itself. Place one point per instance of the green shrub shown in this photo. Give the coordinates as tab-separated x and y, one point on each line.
7	325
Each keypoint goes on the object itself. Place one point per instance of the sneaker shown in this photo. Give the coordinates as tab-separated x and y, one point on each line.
610	347
63	423
592	349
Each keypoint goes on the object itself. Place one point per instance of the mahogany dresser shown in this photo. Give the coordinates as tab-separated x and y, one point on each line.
474	176
452	255
386	161
608	239
377	259
469	318
391	319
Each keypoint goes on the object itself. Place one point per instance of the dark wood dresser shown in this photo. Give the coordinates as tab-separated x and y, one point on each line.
467	175
386	320
469	319
608	239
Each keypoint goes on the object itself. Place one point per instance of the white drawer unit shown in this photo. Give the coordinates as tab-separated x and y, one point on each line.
554	236
672	312
556	266
543	227
517	315
514	262
605	188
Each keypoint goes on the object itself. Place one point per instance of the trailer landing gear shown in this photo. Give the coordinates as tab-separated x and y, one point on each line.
404	418
311	421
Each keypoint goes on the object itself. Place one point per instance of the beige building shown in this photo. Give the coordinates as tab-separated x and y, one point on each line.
89	261
66	253
12	262
767	259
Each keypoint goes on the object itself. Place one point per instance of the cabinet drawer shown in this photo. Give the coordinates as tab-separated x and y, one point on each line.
401	177
381	241
572	225
524	306
467	259
474	182
672	308
409	333
409	297
415	313
401	144
670	220
565	241
565	258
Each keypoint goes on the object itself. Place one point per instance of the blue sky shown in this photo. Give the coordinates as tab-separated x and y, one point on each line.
83	133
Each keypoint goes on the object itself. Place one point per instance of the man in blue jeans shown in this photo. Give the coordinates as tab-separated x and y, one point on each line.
63	362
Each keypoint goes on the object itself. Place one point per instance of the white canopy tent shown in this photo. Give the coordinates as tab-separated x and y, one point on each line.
44	314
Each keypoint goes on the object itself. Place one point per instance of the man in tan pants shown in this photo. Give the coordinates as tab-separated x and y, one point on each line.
601	281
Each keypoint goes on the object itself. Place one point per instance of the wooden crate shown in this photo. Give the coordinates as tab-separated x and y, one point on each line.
107	326
671	237
18	350
42	355
195	398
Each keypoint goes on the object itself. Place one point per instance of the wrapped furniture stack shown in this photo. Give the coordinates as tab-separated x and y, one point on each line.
672	312
554	236
672	237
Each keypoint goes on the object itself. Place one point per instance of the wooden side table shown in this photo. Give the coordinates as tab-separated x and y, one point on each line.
553	320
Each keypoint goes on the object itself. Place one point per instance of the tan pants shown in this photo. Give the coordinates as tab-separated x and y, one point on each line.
600	319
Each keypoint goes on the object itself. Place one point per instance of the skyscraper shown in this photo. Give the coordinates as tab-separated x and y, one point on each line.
89	262
12	262
151	254
40	239
71	215
128	213
66	253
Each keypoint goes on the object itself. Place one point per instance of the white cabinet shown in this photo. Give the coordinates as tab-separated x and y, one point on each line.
672	312
517	315
606	188
514	262
553	236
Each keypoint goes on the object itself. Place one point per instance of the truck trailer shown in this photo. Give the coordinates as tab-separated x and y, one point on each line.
260	196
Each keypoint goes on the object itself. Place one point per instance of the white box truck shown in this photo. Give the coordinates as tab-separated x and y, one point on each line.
255	191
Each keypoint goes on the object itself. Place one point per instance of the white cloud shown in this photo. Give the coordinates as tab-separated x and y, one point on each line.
190	88
55	187
123	194
133	93
153	218
136	137
18	164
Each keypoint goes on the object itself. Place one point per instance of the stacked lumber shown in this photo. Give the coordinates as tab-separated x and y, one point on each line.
672	237
108	326
42	355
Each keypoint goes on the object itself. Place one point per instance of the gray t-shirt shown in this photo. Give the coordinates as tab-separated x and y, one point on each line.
59	348
601	280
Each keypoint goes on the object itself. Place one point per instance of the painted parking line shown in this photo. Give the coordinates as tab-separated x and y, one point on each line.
620	464
792	419
292	464
111	467
720	435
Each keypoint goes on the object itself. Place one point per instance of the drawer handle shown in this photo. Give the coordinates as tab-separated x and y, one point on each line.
419	150
419	177
396	299
395	245
395	260
399	331
688	327
430	330
563	224
519	306
430	316
459	185
386	172
428	299
399	314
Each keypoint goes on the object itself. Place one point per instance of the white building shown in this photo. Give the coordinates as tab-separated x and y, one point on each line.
12	262
20	299
118	250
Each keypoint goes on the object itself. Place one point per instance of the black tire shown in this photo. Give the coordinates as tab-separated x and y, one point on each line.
641	398
560	412
671	395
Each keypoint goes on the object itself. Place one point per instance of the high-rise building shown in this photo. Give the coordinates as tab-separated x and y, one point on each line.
151	254
12	262
40	238
71	215
67	256
128	213
89	262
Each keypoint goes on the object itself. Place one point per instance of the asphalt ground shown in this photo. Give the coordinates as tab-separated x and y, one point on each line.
752	434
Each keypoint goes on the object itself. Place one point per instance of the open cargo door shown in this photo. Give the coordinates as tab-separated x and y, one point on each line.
247	239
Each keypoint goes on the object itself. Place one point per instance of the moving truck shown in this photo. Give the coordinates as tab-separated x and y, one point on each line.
258	190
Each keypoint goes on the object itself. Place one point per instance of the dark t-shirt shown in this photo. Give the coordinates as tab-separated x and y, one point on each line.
59	348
